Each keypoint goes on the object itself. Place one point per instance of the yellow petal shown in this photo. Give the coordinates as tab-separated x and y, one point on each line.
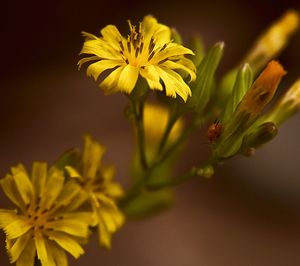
101	49
17	248
161	33
104	235
92	155
174	65
109	84
85	217
172	49
24	185
73	172
87	59
174	83
41	249
53	187
38	176
112	35
114	190
10	189
128	78
89	36
59	254
97	68
70	190
17	228
7	217
72	227
77	201
67	243
152	77
28	255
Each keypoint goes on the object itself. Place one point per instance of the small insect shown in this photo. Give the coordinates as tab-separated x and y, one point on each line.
214	131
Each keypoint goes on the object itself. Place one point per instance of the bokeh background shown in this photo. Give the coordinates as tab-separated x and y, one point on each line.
248	214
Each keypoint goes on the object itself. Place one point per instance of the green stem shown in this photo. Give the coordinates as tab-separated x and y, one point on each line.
166	134
140	185
139	119
177	180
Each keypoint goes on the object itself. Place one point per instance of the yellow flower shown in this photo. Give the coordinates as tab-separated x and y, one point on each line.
42	225
99	189
147	51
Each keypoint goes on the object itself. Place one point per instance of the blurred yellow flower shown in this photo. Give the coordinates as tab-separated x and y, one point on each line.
273	40
147	51
42	225
154	127
99	189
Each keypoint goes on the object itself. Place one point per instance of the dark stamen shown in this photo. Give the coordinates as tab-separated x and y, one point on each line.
126	60
163	48
162	61
121	45
45	210
141	47
151	45
137	51
151	55
129	46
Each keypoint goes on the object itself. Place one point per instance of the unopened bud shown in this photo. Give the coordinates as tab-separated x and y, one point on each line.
259	136
262	90
248	110
273	40
286	107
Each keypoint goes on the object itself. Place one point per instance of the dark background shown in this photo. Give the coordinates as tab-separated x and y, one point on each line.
248	214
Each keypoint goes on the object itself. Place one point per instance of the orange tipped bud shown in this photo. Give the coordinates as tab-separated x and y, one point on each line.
263	89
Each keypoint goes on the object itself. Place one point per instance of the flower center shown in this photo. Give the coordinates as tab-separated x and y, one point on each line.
137	50
39	218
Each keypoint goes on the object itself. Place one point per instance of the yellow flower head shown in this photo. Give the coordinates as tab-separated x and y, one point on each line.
148	51
42	224
99	189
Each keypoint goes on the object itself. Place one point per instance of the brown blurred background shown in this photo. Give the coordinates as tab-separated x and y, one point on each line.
248	214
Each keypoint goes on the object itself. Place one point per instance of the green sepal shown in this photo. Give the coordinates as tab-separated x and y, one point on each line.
140	90
197	46
225	88
69	158
231	138
244	80
202	88
175	36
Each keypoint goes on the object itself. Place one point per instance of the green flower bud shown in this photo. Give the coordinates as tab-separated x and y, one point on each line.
202	88
259	136
242	83
287	106
197	45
